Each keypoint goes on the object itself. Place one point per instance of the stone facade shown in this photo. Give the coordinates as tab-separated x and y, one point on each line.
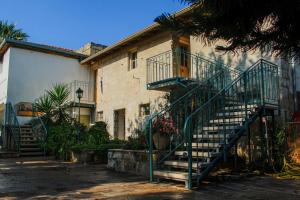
129	161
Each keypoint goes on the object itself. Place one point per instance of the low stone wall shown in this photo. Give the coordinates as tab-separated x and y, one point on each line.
129	161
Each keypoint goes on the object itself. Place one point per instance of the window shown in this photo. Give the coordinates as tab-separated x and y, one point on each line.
144	110
132	60
100	116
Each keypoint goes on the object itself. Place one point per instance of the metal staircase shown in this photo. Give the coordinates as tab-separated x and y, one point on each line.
26	140
208	121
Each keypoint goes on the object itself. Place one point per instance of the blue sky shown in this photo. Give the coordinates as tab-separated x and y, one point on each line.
72	23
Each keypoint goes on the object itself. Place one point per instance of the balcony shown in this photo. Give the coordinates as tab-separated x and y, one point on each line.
167	70
88	92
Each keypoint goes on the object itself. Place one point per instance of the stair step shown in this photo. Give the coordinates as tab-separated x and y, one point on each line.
195	154
205	145
29	145
233	120
184	164
242	107
31	149
235	113
174	175
217	128
32	153
211	136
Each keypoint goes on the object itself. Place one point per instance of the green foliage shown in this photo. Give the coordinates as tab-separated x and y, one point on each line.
55	104
137	141
244	25
9	31
97	134
61	138
280	146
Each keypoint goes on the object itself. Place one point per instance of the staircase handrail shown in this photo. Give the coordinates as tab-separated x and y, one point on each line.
259	70
11	120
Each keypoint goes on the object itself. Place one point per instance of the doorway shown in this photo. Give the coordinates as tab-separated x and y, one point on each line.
119	124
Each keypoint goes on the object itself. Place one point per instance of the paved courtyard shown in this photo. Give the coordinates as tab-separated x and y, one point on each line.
42	178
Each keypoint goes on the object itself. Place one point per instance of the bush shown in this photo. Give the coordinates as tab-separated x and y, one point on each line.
96	135
137	141
60	139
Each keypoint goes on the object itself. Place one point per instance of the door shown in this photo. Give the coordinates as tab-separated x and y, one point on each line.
119	124
184	61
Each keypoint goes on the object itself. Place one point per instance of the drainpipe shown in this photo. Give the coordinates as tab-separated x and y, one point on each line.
294	84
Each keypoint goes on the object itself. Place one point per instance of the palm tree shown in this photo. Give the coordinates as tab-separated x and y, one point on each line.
59	96
55	104
10	31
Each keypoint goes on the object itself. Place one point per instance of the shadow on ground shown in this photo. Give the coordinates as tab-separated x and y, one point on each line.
42	178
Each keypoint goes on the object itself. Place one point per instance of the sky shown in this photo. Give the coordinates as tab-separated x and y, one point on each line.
72	23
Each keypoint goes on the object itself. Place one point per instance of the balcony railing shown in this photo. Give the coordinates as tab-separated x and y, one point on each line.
88	92
178	63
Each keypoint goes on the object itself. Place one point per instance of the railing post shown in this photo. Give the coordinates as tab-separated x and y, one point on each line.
245	95
150	152
262	83
190	156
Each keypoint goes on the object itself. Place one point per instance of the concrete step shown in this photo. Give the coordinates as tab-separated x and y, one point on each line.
30	149
32	153
240	114
184	164
241	107
217	128
211	136
233	120
174	175
195	154
33	144
205	145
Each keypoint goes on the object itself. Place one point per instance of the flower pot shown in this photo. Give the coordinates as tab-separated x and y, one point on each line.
161	141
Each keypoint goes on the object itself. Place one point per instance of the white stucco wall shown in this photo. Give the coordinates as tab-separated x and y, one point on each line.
31	73
4	70
123	89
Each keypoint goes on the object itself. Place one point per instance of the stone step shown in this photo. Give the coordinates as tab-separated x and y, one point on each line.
174	175
195	154
184	164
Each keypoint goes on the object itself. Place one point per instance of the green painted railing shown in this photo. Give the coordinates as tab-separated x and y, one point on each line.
12	127
39	128
253	90
180	64
173	116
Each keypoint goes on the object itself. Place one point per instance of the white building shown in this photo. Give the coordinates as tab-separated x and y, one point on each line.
28	69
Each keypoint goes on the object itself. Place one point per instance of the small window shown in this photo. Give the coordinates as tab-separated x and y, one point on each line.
100	116
132	60
144	110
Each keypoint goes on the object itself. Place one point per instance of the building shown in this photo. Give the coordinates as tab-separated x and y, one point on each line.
28	69
129	87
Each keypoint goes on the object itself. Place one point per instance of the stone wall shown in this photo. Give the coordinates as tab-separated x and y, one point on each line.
129	161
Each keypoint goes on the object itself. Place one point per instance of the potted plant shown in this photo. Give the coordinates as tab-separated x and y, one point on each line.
163	129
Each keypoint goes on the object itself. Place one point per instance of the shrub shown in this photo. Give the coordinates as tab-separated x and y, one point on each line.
96	135
137	141
60	139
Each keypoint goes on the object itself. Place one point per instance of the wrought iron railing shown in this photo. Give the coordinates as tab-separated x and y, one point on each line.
180	64
175	114
257	88
39	128
12	127
88	91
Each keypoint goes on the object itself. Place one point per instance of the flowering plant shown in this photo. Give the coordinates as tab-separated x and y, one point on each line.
164	125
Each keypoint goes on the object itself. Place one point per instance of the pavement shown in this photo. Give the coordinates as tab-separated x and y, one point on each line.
45	178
